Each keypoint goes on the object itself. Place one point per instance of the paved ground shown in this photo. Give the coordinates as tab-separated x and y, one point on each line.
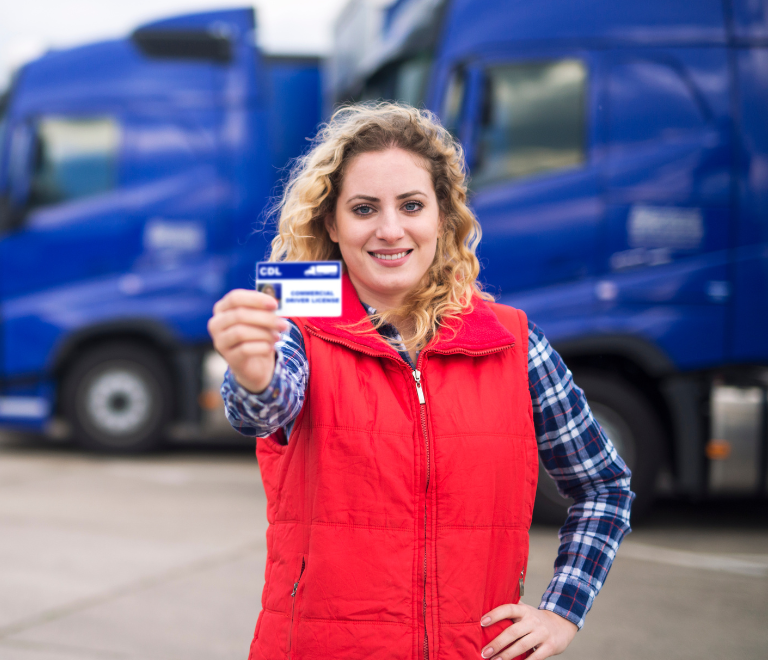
162	557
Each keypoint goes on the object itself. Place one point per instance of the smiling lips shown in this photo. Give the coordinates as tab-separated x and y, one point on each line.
390	256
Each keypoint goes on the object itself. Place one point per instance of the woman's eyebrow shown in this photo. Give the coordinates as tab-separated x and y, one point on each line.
368	198
411	194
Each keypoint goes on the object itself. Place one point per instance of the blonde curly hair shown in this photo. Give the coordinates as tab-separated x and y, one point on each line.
315	181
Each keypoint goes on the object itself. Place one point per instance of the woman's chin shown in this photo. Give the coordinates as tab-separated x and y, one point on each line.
393	286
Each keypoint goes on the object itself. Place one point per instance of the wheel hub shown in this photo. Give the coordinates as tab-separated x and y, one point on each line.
118	402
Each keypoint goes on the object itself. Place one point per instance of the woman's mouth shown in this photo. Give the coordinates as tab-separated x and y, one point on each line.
390	256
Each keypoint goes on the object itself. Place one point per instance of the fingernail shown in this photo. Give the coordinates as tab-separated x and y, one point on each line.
488	652
485	621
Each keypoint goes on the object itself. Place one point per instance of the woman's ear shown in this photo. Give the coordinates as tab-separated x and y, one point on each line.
330	227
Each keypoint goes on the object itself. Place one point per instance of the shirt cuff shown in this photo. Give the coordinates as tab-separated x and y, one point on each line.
569	597
261	398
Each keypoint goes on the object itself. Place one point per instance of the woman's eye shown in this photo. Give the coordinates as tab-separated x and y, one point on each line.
412	206
363	209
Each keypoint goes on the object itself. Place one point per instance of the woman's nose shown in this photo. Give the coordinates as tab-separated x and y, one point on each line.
390	228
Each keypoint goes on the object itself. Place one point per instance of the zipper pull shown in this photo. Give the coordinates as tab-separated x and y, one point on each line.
296	584
522	585
419	391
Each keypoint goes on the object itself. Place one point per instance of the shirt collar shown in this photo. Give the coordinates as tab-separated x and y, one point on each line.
387	330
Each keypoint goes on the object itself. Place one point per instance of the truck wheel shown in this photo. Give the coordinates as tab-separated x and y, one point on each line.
118	398
633	427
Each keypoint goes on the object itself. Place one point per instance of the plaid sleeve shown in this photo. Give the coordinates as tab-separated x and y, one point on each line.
585	466
278	405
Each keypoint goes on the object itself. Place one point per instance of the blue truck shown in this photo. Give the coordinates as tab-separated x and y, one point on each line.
133	178
618	153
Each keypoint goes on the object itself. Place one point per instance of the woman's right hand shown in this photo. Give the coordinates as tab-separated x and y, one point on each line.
244	329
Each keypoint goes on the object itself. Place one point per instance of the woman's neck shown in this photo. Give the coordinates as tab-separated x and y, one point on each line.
384	303
403	326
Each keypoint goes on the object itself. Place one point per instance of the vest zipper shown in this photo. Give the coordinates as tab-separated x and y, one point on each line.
293	604
417	377
423	414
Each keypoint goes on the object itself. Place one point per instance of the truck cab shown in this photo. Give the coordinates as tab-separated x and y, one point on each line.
616	156
134	178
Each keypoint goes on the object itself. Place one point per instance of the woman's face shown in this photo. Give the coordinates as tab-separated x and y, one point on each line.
386	224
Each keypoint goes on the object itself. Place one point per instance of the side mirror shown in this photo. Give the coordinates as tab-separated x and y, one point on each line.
21	161
474	113
10	216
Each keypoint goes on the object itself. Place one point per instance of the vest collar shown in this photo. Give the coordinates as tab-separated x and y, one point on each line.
479	333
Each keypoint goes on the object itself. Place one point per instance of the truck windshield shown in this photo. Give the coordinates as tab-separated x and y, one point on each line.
404	80
385	50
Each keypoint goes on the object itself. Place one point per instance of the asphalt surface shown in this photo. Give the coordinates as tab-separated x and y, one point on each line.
162	557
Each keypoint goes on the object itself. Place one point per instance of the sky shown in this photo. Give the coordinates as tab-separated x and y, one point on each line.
29	27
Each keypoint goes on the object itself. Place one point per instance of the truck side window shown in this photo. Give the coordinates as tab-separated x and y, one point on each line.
532	120
74	158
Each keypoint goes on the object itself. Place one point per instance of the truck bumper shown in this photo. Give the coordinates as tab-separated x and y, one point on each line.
28	408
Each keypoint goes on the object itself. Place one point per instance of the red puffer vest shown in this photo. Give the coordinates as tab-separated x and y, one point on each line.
399	510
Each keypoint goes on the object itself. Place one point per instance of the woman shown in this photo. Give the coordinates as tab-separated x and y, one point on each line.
399	444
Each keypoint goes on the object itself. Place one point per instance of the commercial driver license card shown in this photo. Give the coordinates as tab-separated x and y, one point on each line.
302	288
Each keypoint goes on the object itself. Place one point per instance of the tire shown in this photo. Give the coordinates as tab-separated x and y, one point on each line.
631	424
118	398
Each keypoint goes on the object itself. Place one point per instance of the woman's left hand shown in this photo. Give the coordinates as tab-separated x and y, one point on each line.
547	632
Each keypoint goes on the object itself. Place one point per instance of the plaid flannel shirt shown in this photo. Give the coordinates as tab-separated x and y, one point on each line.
573	448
